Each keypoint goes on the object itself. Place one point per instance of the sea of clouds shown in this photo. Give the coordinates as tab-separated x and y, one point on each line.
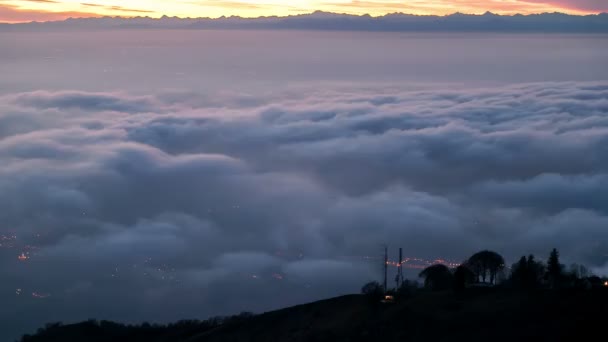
179	205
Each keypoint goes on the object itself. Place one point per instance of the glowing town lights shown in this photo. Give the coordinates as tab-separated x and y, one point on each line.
40	295
606	283
23	257
7	241
417	263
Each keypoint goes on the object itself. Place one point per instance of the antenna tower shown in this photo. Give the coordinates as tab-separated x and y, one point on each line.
385	266
399	277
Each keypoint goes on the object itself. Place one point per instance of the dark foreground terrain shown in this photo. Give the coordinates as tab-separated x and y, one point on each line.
474	315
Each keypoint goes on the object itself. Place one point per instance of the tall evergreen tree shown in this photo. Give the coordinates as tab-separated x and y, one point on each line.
535	272
554	269
519	273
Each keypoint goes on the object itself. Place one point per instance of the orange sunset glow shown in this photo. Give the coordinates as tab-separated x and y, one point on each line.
49	10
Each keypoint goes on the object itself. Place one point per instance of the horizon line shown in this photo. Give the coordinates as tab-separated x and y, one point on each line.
367	15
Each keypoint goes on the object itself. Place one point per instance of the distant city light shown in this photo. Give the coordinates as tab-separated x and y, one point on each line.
418	263
40	295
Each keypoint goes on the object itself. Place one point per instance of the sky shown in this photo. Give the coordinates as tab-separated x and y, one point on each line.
178	175
45	10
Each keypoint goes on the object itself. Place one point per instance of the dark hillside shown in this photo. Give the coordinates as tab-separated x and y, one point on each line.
475	315
492	316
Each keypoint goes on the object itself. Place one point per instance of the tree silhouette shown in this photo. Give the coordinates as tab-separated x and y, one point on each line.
373	290
595	282
527	273
554	269
519	273
407	288
486	265
462	277
536	271
437	277
579	271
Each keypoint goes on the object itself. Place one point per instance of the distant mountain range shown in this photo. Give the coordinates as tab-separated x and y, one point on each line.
398	22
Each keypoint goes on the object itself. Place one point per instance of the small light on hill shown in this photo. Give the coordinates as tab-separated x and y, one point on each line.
388	299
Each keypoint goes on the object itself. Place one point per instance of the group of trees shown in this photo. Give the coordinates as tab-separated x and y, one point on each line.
487	268
528	273
101	331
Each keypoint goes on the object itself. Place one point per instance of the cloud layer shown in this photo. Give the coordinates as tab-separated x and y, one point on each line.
179	205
